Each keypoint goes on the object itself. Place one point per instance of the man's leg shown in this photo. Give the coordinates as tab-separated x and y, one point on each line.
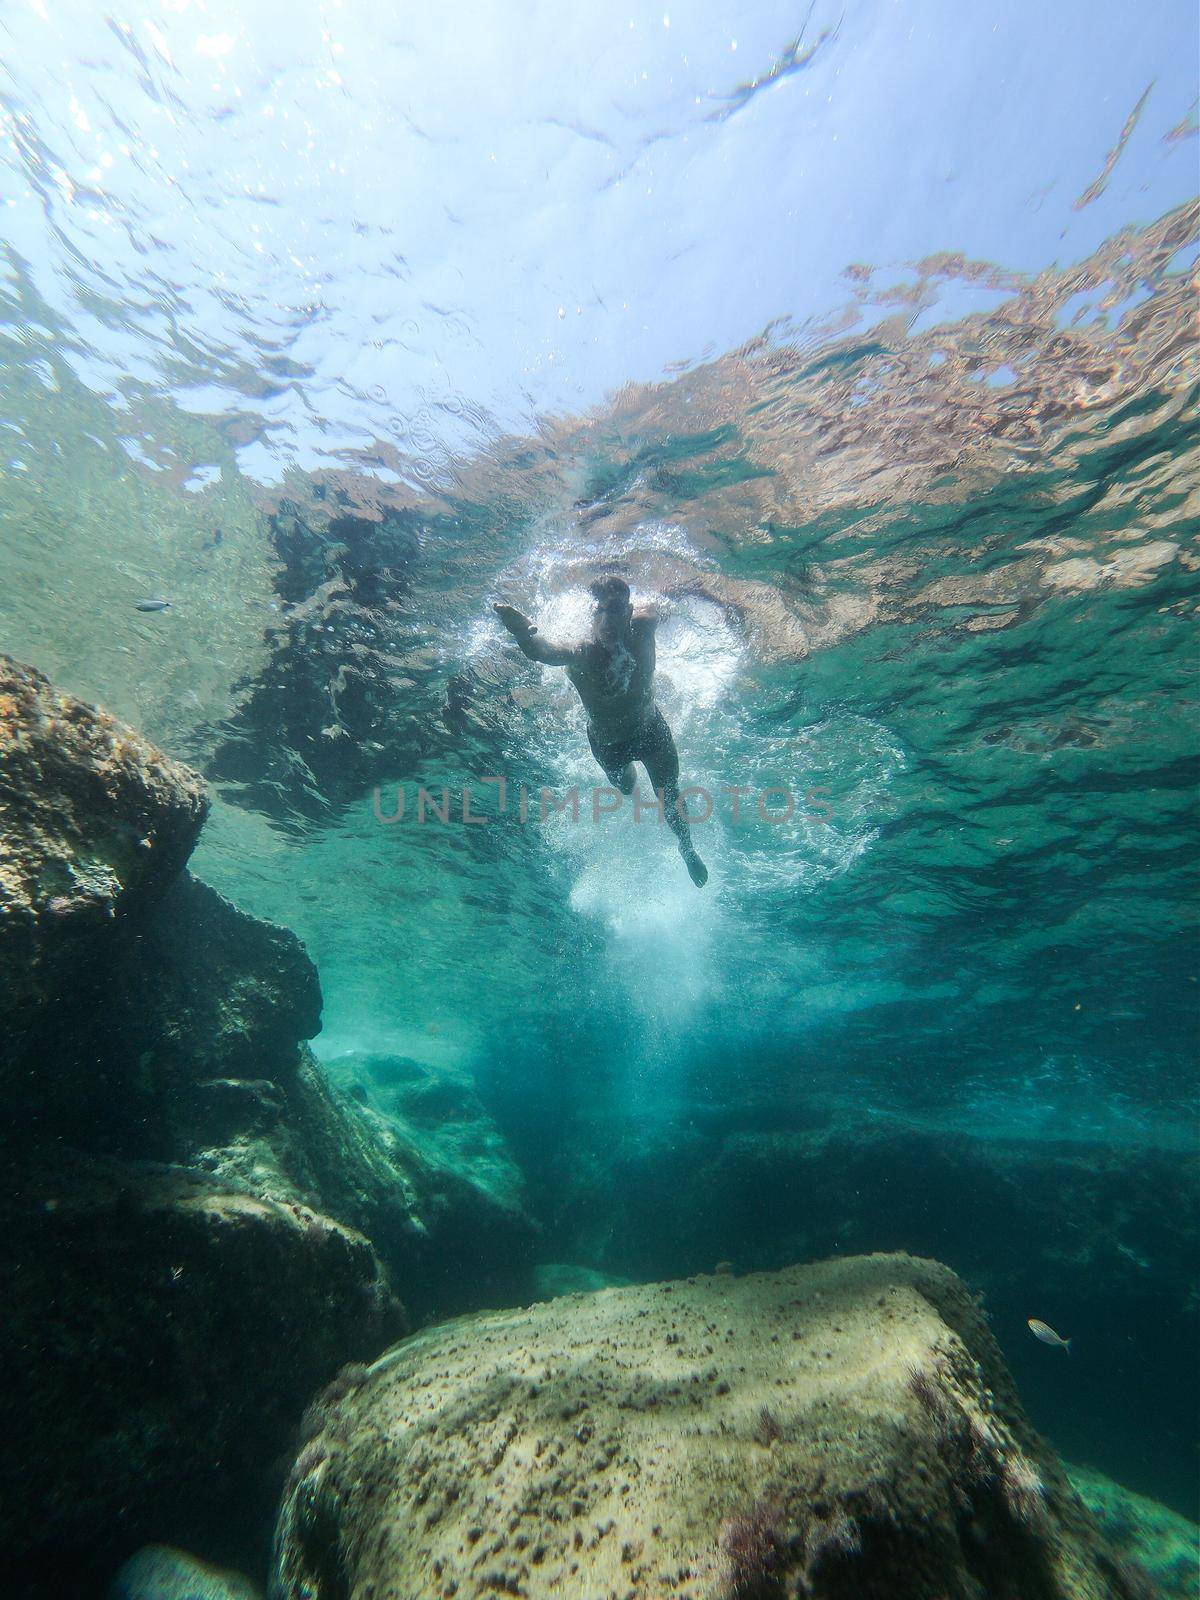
661	761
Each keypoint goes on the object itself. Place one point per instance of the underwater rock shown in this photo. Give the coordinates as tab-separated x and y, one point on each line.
447	1236
158	1572
187	994
439	1109
167	1330
1160	1541
306	1143
1095	1235
95	821
197	1228
184	1043
241	992
467	1192
848	1428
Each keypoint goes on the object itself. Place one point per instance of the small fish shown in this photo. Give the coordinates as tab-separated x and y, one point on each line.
1047	1335
153	605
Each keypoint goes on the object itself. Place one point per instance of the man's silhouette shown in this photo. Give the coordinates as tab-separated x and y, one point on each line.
614	674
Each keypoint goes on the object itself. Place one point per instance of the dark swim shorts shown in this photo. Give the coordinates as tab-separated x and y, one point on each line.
650	743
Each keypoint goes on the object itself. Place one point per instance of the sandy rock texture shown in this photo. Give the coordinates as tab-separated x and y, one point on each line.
845	1429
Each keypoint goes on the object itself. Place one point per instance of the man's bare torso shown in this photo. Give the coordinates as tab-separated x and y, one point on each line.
616	681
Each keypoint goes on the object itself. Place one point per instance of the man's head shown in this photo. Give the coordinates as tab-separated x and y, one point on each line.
613	613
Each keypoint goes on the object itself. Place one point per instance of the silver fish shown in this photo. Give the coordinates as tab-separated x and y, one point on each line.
153	605
1041	1330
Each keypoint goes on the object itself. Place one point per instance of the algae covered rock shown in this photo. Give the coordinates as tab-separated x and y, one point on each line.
94	819
303	1141
188	993
197	1228
840	1430
1093	1234
239	994
438	1109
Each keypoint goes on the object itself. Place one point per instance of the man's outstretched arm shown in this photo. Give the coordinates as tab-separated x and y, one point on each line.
529	641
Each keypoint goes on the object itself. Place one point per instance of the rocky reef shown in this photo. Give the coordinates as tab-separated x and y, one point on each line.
470	1191
199	1228
840	1430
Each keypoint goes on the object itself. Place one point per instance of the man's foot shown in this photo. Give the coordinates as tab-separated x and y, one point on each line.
696	868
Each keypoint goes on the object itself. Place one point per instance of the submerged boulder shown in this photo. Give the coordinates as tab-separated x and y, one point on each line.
840	1430
189	992
167	1331
198	1229
159	1572
95	821
1094	1235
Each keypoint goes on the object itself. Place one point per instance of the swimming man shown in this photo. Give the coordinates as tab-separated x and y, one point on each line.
614	675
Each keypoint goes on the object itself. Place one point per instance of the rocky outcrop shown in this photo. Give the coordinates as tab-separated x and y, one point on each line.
94	822
181	999
469	1192
453	1232
167	1330
841	1430
199	1228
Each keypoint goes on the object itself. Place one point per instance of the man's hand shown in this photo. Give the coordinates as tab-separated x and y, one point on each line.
520	627
531	643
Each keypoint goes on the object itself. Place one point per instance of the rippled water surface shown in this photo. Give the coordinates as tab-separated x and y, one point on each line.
860	337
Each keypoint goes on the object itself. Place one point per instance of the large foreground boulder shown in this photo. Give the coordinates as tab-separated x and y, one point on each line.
1095	1235
842	1430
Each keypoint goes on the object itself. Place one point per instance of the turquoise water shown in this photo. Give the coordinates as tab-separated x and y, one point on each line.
862	342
